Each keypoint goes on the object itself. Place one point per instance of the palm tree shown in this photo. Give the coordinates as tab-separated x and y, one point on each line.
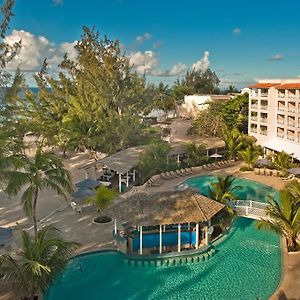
196	154
294	188
223	189
32	175
40	261
283	161
102	198
233	142
249	156
284	219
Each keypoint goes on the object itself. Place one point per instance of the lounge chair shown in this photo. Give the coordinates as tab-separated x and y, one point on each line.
267	172
290	177
179	172
174	174
256	171
165	176
189	171
261	171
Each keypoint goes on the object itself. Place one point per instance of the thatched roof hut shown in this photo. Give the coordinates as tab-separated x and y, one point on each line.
165	208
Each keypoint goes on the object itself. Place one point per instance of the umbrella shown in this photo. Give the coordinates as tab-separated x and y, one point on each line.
295	171
81	195
264	162
87	184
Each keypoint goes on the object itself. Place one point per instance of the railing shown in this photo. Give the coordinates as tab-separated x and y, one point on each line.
264	94
281	95
264	107
264	120
253	118
253	130
281	108
292	110
254	106
280	122
291	124
291	138
291	96
264	132
281	135
249	208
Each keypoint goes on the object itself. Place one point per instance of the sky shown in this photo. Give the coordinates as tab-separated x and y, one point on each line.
241	41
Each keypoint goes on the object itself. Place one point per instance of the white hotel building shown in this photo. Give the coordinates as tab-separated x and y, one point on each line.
274	115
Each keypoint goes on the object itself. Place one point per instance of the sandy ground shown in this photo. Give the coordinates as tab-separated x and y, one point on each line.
79	227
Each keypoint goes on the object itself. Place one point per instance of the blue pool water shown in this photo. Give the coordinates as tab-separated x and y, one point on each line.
168	239
247	265
249	190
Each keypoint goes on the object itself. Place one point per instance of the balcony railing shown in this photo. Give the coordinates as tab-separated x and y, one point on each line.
291	96
281	108
281	95
253	118
264	107
291	124
290	137
254	95
254	106
292	110
264	132
264	94
263	120
253	130
280	122
281	135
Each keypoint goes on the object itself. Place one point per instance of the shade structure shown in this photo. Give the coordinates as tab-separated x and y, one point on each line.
295	171
165	208
87	184
264	162
80	195
216	155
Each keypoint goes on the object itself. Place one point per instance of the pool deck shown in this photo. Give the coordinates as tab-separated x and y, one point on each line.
80	228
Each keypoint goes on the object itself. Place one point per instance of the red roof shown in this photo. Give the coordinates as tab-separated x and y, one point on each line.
262	85
287	86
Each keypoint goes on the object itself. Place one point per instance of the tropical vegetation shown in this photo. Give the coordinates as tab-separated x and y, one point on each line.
30	175
42	258
249	155
196	154
104	196
284	217
283	161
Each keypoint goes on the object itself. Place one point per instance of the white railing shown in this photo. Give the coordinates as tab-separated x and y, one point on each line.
264	107
281	135
264	120
249	208
281	108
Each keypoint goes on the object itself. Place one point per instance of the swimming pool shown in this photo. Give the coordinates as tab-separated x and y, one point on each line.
250	190
247	265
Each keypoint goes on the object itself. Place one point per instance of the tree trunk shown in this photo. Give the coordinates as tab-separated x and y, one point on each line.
34	213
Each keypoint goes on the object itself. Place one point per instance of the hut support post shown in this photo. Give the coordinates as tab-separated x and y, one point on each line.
86	174
206	235
127	179
133	176
120	183
160	239
209	222
141	240
178	159
197	235
179	237
115	227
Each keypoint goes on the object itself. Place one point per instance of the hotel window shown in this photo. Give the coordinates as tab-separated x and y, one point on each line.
291	135
292	106
291	121
280	132
281	105
264	104
263	117
263	130
280	119
264	92
253	128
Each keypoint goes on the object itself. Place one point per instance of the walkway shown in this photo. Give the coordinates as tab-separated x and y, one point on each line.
249	209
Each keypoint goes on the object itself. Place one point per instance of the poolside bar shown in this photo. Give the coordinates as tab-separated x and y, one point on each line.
165	222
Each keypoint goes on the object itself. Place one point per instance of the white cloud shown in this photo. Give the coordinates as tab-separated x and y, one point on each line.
203	63
236	31
176	70
276	57
142	38
143	61
35	49
57	2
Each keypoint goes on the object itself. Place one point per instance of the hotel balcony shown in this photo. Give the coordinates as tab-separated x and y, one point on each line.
253	118
264	132
292	124
264	107
253	129
281	95
280	135
265	95
264	120
280	121
291	137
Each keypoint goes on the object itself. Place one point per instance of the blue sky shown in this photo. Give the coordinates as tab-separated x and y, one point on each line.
243	40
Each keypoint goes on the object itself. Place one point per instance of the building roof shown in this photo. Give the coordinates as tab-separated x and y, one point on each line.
165	208
288	86
263	85
283	145
122	161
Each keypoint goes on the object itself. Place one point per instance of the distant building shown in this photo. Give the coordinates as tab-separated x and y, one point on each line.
245	91
195	103
274	115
